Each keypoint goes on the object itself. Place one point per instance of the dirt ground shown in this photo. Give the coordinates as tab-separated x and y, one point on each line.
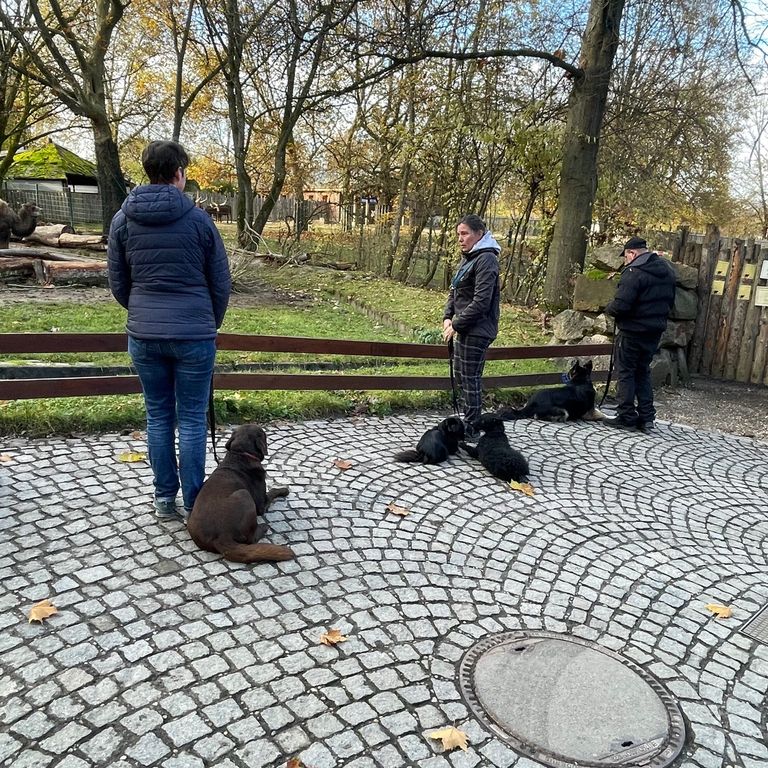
730	407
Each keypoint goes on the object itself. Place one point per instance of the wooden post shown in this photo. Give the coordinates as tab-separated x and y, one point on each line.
741	305
706	270
751	323
727	307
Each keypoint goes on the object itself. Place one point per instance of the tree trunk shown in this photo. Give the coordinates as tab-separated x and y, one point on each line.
578	177
109	172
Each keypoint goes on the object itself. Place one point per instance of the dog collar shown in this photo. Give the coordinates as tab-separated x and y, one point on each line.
250	455
565	377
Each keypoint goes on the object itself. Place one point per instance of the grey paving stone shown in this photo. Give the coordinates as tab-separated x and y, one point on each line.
185	729
148	749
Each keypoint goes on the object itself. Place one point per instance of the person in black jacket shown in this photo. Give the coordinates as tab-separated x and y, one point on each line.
471	316
644	298
168	267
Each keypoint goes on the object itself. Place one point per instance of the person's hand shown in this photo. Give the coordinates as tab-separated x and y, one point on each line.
448	330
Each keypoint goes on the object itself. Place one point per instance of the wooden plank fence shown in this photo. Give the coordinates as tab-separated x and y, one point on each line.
730	337
83	386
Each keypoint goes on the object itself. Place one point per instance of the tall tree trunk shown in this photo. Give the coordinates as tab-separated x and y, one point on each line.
578	177
108	170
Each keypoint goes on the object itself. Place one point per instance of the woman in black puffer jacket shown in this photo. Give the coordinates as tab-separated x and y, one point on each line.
471	316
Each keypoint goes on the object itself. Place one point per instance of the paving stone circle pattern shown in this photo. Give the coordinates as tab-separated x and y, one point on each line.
163	655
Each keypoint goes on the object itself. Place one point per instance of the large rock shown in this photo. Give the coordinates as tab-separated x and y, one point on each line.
604	324
662	367
607	257
593	295
686	305
677	333
599	362
570	325
687	276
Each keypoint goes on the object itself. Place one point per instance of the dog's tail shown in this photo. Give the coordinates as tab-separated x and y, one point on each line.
510	414
411	456
255	553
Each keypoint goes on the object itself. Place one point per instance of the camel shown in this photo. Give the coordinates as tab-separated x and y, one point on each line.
21	224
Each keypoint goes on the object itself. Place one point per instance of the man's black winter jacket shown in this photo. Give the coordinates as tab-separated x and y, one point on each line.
645	296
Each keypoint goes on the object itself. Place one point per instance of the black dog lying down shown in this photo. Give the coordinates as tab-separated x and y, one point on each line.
436	444
495	452
225	515
576	400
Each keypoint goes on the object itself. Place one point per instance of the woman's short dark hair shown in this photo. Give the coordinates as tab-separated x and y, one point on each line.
161	160
474	222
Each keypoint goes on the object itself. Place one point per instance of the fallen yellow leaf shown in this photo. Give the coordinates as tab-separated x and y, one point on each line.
332	637
451	738
137	435
4	457
343	464
41	610
132	456
525	488
294	762
720	611
395	509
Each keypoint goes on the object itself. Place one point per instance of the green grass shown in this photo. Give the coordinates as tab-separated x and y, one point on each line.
331	312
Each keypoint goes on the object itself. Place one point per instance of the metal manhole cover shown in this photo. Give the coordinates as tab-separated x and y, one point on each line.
757	626
569	703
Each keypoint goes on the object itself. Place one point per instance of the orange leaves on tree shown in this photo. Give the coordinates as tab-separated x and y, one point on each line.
41	610
396	509
332	637
720	611
451	737
343	464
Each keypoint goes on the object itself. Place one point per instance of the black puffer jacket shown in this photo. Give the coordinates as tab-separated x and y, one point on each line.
645	296
473	303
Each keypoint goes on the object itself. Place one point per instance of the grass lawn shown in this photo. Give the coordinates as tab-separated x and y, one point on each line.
338	305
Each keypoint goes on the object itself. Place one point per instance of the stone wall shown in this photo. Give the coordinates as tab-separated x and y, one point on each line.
586	323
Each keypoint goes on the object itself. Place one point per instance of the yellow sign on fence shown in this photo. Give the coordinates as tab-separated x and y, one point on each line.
718	286
721	268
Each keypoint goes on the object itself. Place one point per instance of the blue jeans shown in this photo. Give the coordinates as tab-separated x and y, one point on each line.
176	381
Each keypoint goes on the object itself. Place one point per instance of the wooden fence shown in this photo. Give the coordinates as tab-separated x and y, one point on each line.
81	386
730	338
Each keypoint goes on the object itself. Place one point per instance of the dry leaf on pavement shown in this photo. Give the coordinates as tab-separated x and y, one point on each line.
5	457
294	762
343	464
41	610
720	611
332	637
137	435
525	488
451	737
395	509
130	456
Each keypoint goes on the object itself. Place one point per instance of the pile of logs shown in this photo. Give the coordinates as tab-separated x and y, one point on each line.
49	265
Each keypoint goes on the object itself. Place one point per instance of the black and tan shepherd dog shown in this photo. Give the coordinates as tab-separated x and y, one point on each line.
495	452
225	517
576	400
436	444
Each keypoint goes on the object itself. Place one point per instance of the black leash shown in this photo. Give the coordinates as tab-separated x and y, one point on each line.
212	420
610	372
453	380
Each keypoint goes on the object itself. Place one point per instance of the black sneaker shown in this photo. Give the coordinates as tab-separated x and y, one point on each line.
619	424
646	426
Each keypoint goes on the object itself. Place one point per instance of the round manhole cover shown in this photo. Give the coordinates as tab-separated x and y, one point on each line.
568	703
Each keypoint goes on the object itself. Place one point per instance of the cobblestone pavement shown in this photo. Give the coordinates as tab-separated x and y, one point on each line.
162	655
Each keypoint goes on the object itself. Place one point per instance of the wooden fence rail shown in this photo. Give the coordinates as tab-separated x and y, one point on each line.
81	386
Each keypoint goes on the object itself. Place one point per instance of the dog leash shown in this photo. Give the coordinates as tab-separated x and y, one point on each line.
453	380
212	420
610	372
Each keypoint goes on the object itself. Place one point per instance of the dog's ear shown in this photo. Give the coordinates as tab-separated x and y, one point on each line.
261	442
588	366
228	444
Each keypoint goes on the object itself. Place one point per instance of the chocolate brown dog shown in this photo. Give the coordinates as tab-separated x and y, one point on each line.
224	518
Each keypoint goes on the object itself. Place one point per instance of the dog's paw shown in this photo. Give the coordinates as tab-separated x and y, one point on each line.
279	491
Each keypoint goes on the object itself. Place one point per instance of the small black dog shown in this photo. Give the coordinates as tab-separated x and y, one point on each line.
495	452
436	444
576	400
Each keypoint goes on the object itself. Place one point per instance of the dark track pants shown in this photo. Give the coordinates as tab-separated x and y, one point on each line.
632	361
468	363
